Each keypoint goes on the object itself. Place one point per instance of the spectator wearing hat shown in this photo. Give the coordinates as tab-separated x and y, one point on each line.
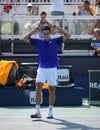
7	10
6	25
31	10
86	9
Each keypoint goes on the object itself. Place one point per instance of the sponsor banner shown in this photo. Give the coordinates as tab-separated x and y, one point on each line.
63	75
32	97
94	86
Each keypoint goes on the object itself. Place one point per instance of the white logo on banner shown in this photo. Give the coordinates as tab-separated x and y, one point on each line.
95	85
63	75
32	97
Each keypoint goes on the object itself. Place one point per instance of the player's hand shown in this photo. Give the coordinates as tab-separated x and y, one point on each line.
37	28
54	26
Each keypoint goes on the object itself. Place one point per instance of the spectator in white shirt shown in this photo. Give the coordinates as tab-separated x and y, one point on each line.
32	9
7	10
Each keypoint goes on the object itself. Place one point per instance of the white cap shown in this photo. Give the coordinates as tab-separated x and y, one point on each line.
29	4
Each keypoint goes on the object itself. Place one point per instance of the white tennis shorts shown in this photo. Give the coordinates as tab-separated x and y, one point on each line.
48	75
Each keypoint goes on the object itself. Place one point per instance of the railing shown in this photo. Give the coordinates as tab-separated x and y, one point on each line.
42	1
80	27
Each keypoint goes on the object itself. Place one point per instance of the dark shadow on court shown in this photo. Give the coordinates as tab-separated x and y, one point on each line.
66	124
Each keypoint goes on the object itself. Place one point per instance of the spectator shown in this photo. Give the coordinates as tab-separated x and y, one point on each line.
42	22
32	9
96	45
7	10
97	6
6	25
86	9
86	26
57	7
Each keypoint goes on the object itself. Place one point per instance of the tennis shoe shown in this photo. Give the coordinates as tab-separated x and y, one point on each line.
36	115
50	116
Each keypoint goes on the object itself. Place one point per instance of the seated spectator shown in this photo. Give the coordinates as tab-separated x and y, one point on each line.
87	26
96	45
7	10
97	7
32	10
86	9
57	7
6	25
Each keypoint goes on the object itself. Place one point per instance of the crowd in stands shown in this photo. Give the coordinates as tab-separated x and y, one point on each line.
9	11
57	8
91	26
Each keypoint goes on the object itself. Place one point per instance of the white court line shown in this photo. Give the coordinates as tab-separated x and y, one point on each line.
15	117
55	116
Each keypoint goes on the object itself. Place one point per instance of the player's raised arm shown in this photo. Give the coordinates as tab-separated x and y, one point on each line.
30	33
66	34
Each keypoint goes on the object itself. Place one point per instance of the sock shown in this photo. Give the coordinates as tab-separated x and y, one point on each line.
50	110
38	108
